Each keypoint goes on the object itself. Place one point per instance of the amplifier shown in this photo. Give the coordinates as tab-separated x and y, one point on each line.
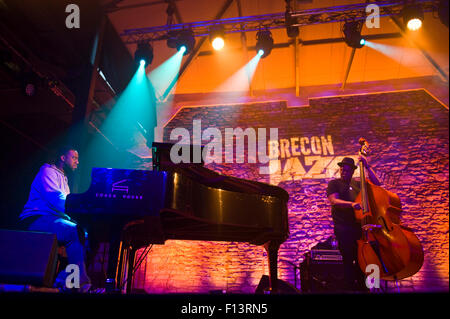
325	255
322	271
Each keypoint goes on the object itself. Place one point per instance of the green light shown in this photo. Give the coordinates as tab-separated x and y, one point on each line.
165	73
129	126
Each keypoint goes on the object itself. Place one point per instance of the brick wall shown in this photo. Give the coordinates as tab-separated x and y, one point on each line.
408	132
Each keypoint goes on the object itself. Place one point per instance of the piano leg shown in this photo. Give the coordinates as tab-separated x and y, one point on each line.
130	268
111	273
272	254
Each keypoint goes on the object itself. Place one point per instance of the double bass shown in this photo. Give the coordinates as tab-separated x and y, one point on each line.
393	247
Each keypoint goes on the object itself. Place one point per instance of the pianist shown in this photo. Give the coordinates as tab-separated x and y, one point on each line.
44	211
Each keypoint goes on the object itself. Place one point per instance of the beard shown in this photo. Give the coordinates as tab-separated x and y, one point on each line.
69	168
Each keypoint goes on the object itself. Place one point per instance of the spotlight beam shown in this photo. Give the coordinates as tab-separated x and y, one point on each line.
418	46
241	80
165	73
194	52
183	68
132	116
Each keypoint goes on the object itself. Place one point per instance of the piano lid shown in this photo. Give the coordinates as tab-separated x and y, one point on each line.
188	154
198	172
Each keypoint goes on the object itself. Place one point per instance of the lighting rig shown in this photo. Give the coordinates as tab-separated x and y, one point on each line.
292	19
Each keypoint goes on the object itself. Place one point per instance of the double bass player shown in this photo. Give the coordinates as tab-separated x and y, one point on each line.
342	193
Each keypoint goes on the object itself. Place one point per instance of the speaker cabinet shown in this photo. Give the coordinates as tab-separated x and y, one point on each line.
321	276
27	258
283	286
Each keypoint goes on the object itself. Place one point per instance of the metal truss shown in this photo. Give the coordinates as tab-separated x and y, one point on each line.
275	20
355	11
200	29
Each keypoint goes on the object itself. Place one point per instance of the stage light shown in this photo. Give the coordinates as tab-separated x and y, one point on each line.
291	31
412	17
217	37
264	43
172	39
185	38
352	34
143	54
218	44
414	24
443	12
181	40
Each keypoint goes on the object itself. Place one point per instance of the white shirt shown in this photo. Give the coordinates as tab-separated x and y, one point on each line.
48	193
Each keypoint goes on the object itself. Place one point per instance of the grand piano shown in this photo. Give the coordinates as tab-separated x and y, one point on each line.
131	209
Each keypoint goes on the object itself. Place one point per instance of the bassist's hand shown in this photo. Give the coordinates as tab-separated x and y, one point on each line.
356	206
363	159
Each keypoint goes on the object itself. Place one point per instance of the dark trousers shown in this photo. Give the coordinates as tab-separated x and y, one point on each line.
69	235
347	240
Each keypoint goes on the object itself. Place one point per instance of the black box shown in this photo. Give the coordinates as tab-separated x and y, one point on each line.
27	257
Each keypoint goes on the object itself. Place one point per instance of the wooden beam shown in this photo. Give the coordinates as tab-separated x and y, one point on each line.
244	45
349	65
296	63
195	52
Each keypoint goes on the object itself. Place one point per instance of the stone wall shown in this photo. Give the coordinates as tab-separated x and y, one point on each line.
408	133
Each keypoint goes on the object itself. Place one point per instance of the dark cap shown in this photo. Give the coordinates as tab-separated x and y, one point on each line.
348	161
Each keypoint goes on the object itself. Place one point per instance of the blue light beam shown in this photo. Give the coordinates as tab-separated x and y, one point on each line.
164	74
